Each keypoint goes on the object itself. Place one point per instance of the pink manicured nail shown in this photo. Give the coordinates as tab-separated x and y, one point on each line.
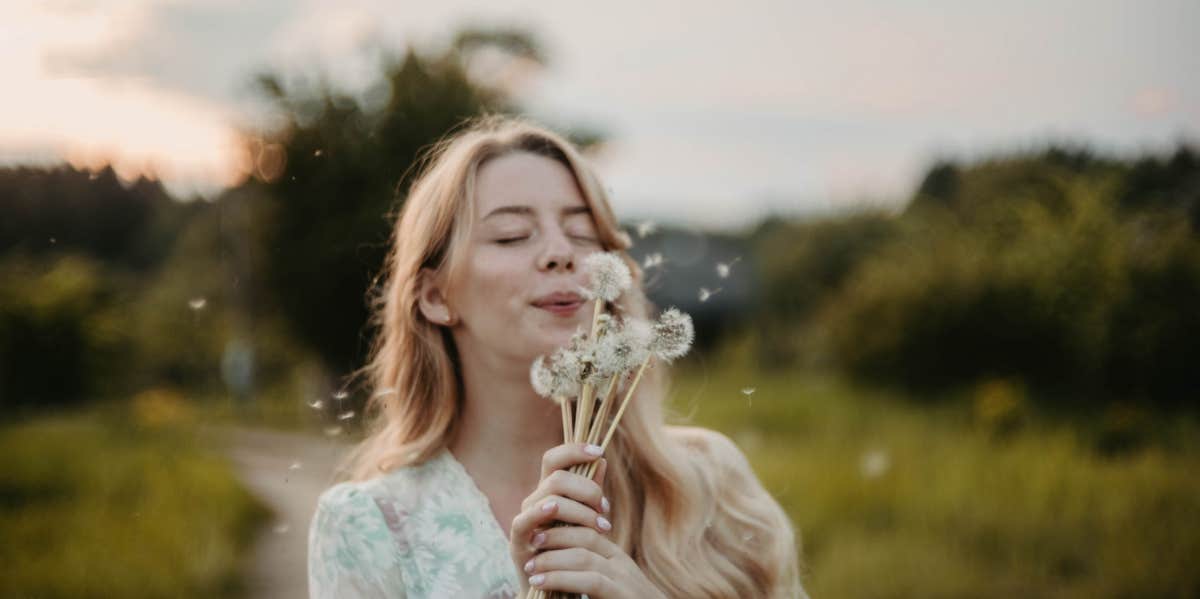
594	449
604	505
529	566
539	538
603	523
537	579
549	505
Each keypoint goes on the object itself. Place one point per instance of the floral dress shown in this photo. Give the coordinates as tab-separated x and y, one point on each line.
416	532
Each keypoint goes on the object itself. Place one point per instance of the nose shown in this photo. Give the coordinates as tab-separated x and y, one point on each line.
557	253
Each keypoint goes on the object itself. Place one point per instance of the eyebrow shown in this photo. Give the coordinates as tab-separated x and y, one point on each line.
527	211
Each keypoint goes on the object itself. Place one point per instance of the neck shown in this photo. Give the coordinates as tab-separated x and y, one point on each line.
504	427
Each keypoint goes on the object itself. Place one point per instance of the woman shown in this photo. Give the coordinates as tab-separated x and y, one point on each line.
454	491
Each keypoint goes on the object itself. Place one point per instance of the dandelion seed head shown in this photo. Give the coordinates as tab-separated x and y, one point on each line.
566	370
610	275
541	378
673	335
623	349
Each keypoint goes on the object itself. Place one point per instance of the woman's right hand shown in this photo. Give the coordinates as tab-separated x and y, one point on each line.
560	496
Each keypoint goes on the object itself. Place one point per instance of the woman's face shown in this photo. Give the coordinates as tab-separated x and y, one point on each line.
518	294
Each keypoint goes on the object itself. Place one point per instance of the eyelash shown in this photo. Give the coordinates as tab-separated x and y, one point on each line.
512	240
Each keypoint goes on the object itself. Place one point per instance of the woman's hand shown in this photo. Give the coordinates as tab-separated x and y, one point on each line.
578	558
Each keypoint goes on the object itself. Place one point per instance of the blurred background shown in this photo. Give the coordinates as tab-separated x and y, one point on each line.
943	257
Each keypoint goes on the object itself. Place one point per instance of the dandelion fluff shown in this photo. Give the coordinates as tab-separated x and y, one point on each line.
622	350
610	275
566	370
541	378
673	335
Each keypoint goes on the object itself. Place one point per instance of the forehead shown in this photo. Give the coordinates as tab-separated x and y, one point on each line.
524	179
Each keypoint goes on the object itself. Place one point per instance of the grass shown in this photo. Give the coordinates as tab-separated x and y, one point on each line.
893	499
119	502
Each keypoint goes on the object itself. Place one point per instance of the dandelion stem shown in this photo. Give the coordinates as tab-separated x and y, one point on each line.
612	428
594	433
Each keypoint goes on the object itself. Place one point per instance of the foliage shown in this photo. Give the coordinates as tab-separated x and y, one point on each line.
112	503
974	497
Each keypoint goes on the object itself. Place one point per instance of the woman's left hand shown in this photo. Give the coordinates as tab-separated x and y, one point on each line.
578	559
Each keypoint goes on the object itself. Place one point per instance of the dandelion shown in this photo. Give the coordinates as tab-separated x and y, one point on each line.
609	275
197	303
673	335
705	293
541	378
748	391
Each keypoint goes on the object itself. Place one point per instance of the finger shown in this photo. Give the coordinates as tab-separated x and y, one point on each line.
572	486
566	455
593	584
571	558
573	512
523	525
562	537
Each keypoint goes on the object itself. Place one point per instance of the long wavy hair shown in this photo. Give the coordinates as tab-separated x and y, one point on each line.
686	506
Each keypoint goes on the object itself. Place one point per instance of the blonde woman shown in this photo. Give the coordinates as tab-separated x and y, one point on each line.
454	491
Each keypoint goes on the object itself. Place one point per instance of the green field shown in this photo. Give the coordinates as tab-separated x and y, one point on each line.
974	497
118	502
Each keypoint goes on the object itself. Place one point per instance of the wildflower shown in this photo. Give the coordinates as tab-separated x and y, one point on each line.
673	335
609	275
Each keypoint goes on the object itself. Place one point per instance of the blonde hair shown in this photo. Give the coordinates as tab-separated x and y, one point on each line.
687	507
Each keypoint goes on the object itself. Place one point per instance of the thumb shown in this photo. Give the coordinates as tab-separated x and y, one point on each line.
601	470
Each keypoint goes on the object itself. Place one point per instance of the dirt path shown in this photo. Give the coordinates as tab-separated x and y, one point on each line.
287	471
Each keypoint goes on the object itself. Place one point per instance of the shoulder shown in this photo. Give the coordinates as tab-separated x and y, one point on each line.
350	549
349	508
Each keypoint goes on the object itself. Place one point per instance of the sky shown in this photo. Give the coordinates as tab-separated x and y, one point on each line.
718	113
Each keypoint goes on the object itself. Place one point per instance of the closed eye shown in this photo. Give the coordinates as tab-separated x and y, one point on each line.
510	240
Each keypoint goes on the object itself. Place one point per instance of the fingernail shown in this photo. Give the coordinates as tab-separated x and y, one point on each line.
594	449
537	579
604	504
539	538
529	566
549	505
603	523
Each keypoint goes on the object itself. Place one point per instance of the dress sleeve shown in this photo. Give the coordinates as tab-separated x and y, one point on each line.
350	551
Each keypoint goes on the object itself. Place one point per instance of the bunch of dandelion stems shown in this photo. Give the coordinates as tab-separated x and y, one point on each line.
585	429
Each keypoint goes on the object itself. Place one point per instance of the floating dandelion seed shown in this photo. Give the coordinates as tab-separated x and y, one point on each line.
346	415
705	293
197	303
53	240
652	260
341	394
295	466
318	153
316	404
748	392
673	335
609	276
874	463
724	268
646	227
333	431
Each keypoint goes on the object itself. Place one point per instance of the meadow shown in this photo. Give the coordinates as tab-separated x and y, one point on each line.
977	495
120	501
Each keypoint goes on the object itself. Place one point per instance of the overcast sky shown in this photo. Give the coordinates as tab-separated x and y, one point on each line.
718	112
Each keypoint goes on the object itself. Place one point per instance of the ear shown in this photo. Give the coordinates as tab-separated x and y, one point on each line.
432	299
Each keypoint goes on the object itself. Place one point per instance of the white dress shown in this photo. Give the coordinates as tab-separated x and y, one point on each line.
416	532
